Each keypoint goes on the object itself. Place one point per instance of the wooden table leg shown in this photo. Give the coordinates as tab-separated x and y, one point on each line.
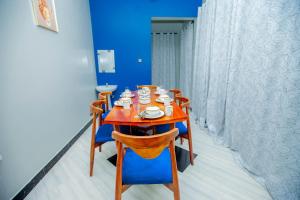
117	128
172	126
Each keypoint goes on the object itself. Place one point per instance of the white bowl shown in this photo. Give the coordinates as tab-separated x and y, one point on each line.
164	97
152	110
127	95
127	92
144	100
146	89
125	99
161	91
144	96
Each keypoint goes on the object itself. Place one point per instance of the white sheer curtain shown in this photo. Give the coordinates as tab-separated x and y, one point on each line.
164	59
201	64
186	58
246	85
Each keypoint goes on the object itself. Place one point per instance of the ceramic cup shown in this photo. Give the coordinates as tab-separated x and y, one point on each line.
146	89
144	100
167	102
126	105
168	110
164	97
125	102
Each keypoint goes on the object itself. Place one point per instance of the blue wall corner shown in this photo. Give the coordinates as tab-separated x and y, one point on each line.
125	26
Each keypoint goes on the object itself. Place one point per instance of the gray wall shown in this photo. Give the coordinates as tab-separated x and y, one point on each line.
47	81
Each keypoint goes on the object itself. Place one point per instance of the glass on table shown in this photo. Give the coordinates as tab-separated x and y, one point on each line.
126	105
169	110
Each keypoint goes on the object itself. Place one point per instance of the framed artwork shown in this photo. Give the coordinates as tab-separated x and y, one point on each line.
45	15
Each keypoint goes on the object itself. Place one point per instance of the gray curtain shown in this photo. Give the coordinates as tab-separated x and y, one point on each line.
201	67
186	58
164	47
247	85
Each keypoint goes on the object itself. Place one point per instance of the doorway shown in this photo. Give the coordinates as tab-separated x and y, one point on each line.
172	52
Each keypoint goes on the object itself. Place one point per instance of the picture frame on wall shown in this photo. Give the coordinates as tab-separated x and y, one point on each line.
45	14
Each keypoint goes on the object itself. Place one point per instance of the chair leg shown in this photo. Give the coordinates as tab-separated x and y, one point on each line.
92	156
175	187
191	151
100	149
118	194
176	194
118	186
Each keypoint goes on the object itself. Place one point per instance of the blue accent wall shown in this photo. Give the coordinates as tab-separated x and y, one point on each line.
125	26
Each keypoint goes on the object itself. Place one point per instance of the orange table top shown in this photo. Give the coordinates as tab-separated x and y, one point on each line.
120	116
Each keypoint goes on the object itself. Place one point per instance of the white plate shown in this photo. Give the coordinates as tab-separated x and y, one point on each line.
129	96
144	102
118	103
160	114
161	101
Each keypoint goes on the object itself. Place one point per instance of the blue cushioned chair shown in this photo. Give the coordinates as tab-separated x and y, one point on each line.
100	135
184	131
104	115
104	97
146	160
180	125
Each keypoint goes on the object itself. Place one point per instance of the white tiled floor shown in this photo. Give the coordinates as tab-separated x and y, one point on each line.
214	176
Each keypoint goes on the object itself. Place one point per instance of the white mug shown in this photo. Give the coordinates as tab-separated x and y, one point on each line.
167	102
168	110
126	104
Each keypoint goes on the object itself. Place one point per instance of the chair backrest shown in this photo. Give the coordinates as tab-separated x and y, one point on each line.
176	93
104	96
96	108
151	87
184	104
148	147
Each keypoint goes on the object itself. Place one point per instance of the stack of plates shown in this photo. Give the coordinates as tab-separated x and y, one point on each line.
152	112
119	103
161	91
127	95
162	98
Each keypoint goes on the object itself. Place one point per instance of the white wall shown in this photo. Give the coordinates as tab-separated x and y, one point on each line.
47	81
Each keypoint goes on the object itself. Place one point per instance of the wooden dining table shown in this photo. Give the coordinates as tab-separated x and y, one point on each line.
130	117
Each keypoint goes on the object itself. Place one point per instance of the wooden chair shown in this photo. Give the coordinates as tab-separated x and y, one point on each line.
146	160
176	93
184	130
100	133
151	87
104	96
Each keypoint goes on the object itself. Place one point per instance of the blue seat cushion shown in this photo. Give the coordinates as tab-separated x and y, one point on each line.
123	129
104	133
104	115
166	127
138	170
